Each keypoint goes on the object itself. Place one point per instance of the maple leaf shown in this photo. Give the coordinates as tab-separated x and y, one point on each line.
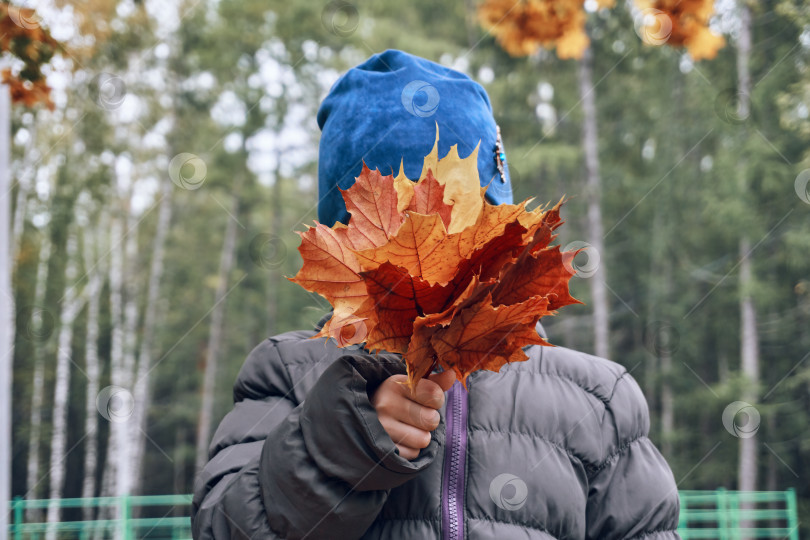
432	271
683	23
373	207
350	327
428	198
404	187
330	266
540	274
483	336
539	270
521	28
420	246
460	180
400	298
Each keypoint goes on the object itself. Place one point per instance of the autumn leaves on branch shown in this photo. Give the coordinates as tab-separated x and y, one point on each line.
22	37
433	271
522	27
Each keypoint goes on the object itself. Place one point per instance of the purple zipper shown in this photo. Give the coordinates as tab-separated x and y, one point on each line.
455	457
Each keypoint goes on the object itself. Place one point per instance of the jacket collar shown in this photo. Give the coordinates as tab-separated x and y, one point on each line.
322	322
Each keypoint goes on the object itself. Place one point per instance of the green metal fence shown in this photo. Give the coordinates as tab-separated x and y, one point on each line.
734	515
720	514
153	517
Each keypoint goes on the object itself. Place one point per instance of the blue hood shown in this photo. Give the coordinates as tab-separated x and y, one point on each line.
386	110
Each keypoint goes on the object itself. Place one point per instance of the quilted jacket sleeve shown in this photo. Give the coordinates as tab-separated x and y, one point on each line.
319	469
632	493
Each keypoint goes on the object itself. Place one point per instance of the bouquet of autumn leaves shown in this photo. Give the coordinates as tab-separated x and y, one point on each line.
433	271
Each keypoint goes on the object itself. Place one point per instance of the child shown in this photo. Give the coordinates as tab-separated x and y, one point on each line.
322	441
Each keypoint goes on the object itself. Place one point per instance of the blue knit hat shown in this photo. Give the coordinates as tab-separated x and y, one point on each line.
386	110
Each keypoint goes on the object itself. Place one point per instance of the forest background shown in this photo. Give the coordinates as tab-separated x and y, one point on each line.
154	210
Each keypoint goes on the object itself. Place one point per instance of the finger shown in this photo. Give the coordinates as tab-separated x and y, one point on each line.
428	393
407	435
445	379
412	413
407	452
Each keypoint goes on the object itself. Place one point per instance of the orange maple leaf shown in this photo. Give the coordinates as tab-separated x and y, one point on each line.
373	206
432	271
522	27
679	23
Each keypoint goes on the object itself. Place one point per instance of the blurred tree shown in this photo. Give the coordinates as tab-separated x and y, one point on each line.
23	39
522	29
749	331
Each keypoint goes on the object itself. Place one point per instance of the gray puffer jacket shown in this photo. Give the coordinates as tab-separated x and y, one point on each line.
554	447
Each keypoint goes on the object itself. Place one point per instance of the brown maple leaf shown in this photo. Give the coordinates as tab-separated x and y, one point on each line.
483	336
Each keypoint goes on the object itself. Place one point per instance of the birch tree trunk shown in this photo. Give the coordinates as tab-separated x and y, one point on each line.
6	308
749	337
38	384
62	384
116	271
19	217
667	395
23	189
215	337
772	475
668	337
653	367
660	337
593	188
141	395
124	428
92	368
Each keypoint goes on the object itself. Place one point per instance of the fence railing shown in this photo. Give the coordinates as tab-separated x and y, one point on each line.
720	514
153	517
736	515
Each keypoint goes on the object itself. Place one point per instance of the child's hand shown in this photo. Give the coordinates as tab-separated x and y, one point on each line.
409	421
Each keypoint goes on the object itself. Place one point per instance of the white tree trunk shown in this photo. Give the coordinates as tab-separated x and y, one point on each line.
92	368
38	384
23	189
124	429
116	277
593	183
62	384
215	338
660	333
141	389
668	337
18	218
749	337
652	367
6	309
